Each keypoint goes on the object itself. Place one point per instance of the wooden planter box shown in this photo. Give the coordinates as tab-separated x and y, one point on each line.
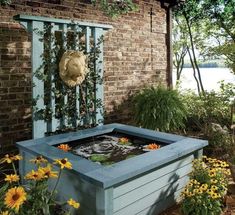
144	185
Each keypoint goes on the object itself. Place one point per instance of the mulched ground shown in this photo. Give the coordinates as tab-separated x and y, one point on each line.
229	202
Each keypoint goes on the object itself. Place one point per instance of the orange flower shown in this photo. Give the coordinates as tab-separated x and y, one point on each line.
123	140
64	147
153	146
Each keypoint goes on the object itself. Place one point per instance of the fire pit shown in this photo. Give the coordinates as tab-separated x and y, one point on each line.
145	182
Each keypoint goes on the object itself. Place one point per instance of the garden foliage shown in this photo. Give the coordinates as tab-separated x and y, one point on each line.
159	109
204	193
33	196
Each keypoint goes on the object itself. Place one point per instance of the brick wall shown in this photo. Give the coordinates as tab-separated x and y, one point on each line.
135	57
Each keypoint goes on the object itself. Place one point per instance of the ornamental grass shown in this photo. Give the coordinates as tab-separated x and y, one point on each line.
205	192
34	197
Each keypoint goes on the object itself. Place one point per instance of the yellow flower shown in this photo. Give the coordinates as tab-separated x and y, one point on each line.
224	164
194	181
12	178
47	172
204	187
34	175
10	158
38	160
210	191
4	213
200	191
123	140
73	203
214	188
64	147
212	173
190	184
14	198
214	181
215	195
64	163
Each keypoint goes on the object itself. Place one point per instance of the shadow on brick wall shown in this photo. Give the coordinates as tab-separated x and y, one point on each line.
15	86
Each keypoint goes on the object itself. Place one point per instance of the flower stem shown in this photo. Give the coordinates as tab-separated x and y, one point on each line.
14	169
56	184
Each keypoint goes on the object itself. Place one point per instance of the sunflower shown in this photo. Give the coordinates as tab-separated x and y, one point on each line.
64	147
38	160
34	175
64	163
47	172
12	178
14	198
10	158
73	203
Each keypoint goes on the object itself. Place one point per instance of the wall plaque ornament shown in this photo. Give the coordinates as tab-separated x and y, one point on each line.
73	68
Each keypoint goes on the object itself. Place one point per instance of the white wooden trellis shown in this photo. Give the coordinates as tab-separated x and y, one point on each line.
40	127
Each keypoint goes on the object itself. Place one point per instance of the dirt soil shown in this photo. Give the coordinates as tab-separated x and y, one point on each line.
229	203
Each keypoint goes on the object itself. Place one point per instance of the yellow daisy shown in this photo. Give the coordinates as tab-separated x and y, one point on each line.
38	160
73	203
10	158
64	163
12	178
47	172
214	188
64	147
214	181
204	187
14	198
34	175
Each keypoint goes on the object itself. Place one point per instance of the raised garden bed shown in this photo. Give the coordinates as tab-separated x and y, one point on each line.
144	184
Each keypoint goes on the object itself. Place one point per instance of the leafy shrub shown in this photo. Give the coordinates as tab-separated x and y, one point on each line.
204	110
159	109
208	185
34	197
213	107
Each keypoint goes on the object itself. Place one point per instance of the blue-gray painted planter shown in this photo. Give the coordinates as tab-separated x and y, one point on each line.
143	185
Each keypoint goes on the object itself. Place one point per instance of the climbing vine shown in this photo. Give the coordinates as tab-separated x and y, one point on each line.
115	8
65	109
112	9
5	2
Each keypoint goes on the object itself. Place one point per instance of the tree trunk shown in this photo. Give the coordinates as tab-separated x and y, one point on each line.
194	55
194	72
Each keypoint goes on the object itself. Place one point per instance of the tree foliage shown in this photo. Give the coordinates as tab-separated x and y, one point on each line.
210	25
220	21
115	8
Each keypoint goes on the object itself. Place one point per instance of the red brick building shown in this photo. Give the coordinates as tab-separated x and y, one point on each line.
136	54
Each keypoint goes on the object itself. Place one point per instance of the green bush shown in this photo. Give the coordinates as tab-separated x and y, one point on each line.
204	110
159	109
209	117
